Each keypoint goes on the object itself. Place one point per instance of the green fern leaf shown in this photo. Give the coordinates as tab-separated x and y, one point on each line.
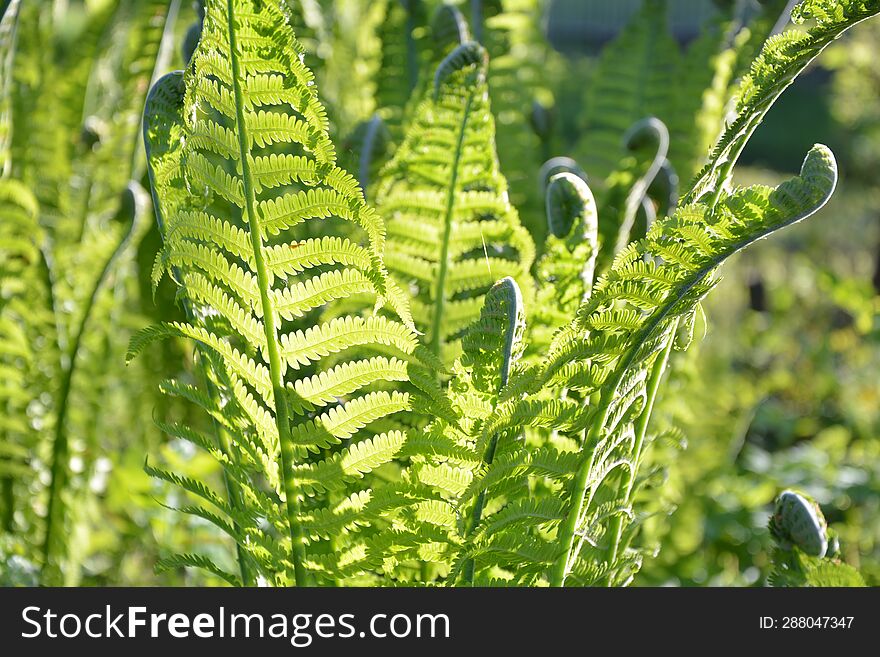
781	60
241	163
445	179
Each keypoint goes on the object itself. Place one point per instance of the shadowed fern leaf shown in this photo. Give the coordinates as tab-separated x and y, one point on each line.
634	79
19	328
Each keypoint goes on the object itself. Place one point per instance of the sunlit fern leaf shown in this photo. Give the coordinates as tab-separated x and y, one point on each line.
611	355
629	320
781	60
773	16
634	79
452	230
241	163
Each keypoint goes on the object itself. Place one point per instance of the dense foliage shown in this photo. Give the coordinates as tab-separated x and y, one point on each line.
387	330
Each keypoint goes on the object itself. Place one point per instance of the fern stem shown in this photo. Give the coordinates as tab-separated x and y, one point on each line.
60	441
724	174
566	535
412	55
641	430
8	493
282	414
477	19
476	516
440	290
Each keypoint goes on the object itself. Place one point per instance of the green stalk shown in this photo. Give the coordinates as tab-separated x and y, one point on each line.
559	570
724	173
8	493
412	55
477	19
476	516
641	429
282	412
60	442
439	294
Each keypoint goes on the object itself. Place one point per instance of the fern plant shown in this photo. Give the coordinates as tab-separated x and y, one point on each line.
445	178
241	163
806	553
315	374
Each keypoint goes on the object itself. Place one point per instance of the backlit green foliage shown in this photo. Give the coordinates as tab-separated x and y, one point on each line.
445	179
395	387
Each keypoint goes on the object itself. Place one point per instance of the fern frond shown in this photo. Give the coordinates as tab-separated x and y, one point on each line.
781	60
567	268
242	171
634	79
445	179
686	249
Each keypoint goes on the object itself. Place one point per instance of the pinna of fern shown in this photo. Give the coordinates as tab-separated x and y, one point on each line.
241	164
445	178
